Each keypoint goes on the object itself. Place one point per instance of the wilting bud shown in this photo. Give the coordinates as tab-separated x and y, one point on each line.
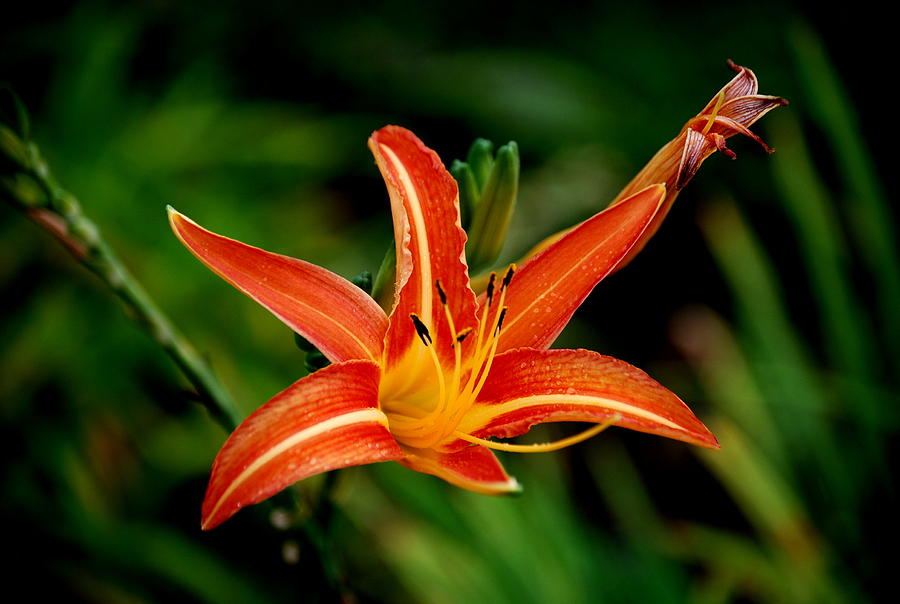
488	187
732	111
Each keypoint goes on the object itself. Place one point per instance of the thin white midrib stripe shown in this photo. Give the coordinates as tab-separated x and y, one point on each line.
332	423
340	326
494	411
424	260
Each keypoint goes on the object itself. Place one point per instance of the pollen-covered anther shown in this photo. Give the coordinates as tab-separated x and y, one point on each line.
421	329
463	334
492	278
500	318
507	278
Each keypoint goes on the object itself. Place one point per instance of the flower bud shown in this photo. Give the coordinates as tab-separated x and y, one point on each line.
488	188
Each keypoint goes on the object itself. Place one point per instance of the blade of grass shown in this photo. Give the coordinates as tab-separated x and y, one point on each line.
871	214
707	343
623	491
777	353
769	502
848	335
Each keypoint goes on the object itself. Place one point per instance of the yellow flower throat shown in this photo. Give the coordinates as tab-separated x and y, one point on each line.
424	418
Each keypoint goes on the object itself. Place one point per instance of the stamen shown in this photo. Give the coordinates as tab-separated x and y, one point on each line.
490	287
543	447
509	275
424	335
484	357
500	320
478	376
712	116
462	335
459	390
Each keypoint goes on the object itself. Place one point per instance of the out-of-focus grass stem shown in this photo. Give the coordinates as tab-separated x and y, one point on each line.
869	211
849	341
59	212
785	372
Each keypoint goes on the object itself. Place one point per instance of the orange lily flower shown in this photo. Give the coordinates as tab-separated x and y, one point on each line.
432	384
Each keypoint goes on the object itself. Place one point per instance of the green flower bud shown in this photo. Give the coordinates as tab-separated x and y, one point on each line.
496	181
315	360
468	191
363	281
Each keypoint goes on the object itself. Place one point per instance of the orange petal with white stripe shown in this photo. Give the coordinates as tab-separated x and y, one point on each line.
339	318
325	421
430	241
551	285
473	468
528	387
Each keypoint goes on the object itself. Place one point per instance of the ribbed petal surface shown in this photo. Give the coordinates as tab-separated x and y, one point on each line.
325	421
430	241
473	468
528	387
326	309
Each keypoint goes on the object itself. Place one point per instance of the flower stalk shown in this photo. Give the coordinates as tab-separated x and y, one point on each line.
27	183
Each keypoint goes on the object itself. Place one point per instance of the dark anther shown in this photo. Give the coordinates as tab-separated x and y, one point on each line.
463	334
421	330
441	294
500	318
509	275
490	287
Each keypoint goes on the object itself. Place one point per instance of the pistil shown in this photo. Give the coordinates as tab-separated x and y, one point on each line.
541	447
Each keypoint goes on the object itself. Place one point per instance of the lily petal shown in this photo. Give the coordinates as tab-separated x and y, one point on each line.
430	240
473	468
325	421
528	387
742	84
326	309
550	286
747	110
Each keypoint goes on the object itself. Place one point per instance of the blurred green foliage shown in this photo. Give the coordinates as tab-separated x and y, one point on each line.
769	302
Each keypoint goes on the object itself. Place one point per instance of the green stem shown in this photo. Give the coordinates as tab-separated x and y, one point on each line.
31	187
59	212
